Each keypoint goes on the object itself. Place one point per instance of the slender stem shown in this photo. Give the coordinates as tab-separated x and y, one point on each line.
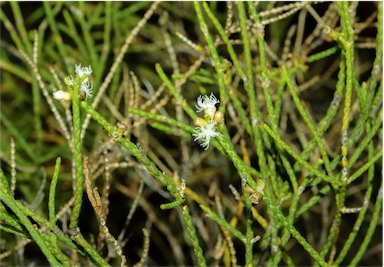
52	193
193	237
175	93
309	123
371	229
215	55
36	236
220	221
295	155
279	215
77	152
90	250
249	233
135	151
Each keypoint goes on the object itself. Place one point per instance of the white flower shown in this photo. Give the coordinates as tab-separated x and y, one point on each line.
81	71
86	86
207	104
69	81
205	133
61	95
87	89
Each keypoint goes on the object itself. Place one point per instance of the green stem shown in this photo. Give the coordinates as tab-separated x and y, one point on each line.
135	151
175	93
351	238
335	228
77	152
371	229
279	215
365	167
295	155
36	236
249	233
237	161
309	124
52	193
193	237
90	250
220	221
322	54
172	205
215	55
24	209
54	27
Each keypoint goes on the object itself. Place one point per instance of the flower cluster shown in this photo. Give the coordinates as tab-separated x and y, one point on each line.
207	104
85	87
205	127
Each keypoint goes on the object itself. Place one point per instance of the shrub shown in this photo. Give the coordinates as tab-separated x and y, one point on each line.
104	106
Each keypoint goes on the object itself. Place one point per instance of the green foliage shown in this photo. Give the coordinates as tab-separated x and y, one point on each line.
293	172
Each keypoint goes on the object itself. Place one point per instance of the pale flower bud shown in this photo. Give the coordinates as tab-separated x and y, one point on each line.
61	95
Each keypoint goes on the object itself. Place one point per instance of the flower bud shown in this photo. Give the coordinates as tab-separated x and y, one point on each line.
218	116
200	122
